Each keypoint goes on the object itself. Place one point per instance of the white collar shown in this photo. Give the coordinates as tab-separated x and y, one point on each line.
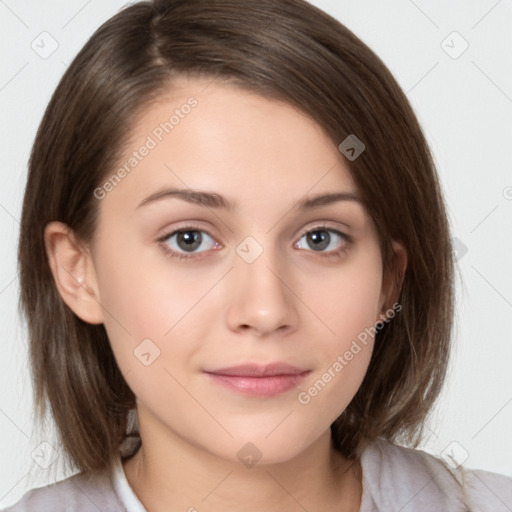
124	491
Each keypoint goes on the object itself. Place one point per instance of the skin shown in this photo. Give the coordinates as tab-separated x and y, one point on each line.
292	304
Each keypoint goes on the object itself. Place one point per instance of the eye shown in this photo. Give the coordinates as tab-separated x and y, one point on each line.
184	242
325	240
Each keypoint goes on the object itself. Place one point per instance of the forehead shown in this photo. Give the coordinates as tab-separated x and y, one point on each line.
212	135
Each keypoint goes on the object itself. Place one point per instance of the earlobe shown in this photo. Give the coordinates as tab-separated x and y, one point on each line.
73	272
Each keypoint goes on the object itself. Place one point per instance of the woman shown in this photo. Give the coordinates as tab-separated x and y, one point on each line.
230	298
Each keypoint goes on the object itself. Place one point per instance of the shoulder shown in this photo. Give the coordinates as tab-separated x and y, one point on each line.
395	477
78	493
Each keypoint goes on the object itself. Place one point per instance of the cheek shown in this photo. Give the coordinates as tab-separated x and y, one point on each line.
350	301
349	308
142	302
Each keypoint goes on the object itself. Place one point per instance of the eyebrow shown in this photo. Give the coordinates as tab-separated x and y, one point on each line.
217	201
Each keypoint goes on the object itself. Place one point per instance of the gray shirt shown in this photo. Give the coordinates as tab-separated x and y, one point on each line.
394	479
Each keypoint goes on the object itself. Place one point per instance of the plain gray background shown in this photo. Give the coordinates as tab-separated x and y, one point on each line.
463	99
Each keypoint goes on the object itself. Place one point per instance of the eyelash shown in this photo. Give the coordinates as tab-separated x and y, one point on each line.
336	254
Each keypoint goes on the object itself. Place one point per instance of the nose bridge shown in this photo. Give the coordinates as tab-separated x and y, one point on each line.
261	298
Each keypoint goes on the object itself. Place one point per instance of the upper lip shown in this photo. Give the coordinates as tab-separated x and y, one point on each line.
257	370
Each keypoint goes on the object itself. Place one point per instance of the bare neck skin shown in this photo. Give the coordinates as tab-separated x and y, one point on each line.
179	476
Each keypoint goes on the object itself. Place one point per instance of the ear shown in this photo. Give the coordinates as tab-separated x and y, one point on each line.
392	282
73	271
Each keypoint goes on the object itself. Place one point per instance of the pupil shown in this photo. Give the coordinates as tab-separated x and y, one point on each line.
319	241
192	240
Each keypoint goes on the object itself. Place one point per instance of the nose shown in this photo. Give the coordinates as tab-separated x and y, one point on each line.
261	297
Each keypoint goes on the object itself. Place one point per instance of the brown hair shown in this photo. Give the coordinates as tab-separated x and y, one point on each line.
284	49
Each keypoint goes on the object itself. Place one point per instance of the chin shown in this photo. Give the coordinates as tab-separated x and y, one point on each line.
258	451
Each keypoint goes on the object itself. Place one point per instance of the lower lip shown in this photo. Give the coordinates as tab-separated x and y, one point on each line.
259	386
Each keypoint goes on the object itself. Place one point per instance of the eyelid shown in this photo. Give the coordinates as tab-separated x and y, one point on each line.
186	227
327	226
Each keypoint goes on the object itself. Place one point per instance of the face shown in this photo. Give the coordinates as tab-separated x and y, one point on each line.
188	286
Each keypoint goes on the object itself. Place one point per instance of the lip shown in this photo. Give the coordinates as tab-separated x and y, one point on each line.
259	380
258	370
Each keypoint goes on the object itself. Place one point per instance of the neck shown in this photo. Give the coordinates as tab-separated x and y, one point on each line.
169	473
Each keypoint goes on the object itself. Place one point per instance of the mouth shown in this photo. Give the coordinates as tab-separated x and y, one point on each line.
256	380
